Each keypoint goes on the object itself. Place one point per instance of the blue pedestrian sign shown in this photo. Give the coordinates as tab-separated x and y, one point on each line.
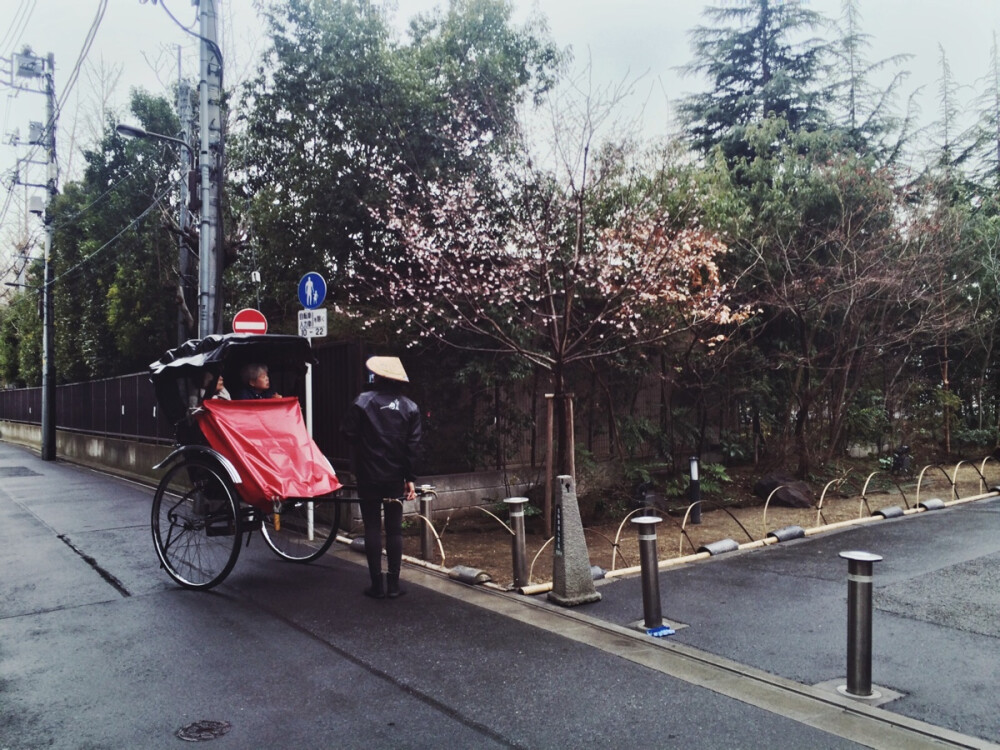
312	290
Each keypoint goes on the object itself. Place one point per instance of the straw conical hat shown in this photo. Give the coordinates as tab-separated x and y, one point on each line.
387	367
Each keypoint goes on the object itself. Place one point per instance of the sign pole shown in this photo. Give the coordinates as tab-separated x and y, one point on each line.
312	292
310	508
309	395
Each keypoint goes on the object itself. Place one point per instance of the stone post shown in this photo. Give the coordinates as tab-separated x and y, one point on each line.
572	581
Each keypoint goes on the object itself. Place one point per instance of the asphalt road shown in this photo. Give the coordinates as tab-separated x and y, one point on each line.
99	649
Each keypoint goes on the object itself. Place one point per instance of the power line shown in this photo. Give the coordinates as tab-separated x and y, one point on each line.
32	152
70	83
21	258
88	42
188	29
192	32
17	26
7	112
102	248
7	202
93	256
65	220
74	75
10	40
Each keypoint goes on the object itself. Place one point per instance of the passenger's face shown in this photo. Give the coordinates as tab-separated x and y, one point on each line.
262	382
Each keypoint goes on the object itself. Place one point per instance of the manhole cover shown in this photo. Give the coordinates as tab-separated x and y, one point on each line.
201	731
17	471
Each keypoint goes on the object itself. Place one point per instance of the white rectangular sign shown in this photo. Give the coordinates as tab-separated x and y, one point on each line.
312	323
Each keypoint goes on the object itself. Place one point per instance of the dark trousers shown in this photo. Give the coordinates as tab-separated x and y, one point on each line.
373	503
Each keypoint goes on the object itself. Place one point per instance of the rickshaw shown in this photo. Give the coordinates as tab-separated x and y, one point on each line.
239	466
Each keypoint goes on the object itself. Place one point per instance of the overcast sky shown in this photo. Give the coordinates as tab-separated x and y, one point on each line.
620	38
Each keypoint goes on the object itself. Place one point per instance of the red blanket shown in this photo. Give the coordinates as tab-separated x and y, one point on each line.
268	443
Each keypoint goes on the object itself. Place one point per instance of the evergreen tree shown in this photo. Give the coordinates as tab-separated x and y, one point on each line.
862	110
759	66
21	335
115	265
987	167
952	143
338	97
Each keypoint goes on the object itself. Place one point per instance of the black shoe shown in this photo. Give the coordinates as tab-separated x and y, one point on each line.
376	590
392	589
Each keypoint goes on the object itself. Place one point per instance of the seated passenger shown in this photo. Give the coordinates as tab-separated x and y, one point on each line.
220	390
216	391
256	383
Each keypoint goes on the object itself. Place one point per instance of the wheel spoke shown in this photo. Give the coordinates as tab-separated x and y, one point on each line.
195	525
302	530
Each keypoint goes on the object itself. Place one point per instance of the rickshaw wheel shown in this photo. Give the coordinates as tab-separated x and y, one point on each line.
291	535
196	527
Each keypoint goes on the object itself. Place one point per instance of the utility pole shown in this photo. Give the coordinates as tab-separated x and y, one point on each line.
26	64
210	163
48	336
184	255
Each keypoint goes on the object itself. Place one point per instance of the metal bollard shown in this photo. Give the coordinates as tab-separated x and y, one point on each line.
426	495
859	623
694	493
651	612
518	555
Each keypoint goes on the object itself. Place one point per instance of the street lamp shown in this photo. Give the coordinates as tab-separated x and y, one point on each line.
134	131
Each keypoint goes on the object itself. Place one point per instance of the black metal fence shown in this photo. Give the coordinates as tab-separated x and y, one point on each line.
125	407
464	429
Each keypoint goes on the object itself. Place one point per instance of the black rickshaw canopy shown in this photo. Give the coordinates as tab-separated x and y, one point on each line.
179	372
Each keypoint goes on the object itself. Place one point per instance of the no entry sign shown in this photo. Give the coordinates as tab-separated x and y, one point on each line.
249	320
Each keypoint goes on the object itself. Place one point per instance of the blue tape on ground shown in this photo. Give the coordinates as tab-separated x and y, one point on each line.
661	632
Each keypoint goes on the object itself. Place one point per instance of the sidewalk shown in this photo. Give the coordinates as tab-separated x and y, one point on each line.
98	648
782	610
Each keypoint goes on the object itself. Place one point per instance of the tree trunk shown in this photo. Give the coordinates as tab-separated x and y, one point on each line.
561	459
802	438
946	390
564	439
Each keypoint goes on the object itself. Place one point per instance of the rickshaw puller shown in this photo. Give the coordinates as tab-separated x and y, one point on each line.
383	429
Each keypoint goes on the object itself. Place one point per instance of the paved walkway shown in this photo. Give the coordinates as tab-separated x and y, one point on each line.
782	610
99	649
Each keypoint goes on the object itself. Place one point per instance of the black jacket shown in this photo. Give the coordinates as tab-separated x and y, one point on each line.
247	393
384	430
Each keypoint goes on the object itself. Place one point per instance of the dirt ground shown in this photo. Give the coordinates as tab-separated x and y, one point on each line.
478	541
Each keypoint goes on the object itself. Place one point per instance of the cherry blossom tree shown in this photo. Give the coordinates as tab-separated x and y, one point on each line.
557	267
537	281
